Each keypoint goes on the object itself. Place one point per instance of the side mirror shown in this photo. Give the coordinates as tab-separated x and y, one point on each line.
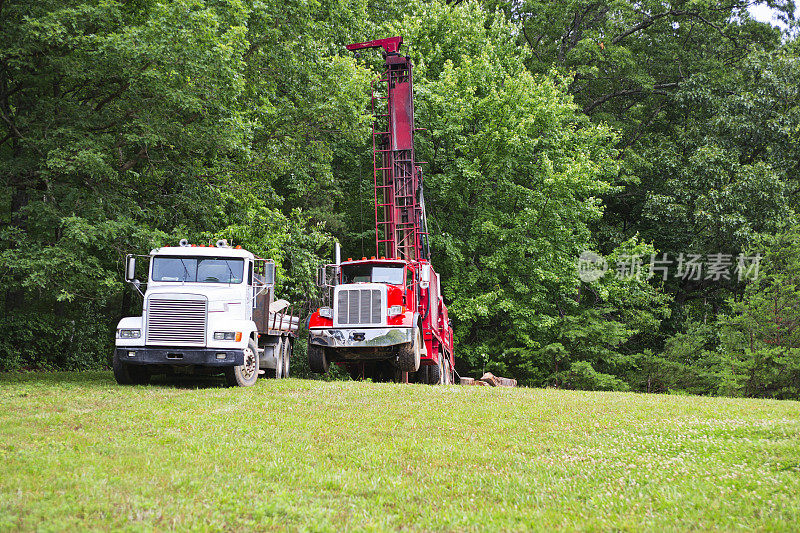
425	277
269	273
130	268
321	277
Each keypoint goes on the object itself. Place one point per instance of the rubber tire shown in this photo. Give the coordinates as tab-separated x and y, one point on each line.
410	353
318	359
287	355
234	375
126	374
120	371
435	374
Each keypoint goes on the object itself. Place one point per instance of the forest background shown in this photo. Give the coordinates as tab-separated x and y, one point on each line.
661	136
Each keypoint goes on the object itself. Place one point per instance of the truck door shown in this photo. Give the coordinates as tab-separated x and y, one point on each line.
253	285
410	296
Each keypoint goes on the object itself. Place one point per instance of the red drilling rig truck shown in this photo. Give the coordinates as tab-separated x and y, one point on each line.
387	320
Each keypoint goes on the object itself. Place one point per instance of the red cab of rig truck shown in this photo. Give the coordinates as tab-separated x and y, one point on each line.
387	319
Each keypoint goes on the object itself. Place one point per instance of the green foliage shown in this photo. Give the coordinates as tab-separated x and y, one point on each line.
131	126
601	327
762	332
512	185
582	375
705	101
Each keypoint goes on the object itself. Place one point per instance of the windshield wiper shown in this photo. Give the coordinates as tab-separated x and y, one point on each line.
186	270
230	278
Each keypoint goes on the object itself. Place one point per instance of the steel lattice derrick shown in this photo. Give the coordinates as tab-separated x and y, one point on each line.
400	226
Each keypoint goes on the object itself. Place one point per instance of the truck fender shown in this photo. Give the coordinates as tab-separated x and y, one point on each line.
247	327
251	330
130	322
417	321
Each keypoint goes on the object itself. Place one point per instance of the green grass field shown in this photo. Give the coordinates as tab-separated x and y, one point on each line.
78	452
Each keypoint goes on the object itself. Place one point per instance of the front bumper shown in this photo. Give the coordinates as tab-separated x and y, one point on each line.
179	356
360	337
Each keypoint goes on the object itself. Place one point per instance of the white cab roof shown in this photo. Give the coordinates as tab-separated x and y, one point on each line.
201	251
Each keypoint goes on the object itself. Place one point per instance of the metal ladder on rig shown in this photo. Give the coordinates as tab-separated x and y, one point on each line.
400	225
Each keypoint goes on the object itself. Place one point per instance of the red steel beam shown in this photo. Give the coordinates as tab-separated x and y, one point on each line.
391	45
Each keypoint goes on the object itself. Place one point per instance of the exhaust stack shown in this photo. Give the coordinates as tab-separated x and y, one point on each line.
337	258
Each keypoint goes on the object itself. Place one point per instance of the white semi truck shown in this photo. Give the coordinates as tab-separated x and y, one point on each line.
207	310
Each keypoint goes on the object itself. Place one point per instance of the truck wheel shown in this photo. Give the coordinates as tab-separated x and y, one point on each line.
126	374
317	359
246	374
287	354
139	374
435	374
120	371
410	353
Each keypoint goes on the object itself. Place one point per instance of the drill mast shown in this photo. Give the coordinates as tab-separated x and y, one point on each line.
400	225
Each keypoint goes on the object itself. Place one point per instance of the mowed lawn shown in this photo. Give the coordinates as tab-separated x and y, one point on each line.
79	452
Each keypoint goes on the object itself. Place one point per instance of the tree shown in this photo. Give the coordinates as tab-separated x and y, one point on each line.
511	189
762	333
128	125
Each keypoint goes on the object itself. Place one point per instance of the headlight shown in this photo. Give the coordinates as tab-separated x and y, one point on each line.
130	333
395	310
326	312
228	336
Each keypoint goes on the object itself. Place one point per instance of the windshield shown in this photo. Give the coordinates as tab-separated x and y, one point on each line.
366	273
198	269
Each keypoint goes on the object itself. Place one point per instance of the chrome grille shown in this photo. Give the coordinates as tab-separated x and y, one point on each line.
176	322
359	306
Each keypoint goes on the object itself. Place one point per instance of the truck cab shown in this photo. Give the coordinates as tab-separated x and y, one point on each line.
206	310
385	317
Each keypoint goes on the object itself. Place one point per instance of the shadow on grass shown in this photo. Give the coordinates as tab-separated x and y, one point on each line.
88	377
102	379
